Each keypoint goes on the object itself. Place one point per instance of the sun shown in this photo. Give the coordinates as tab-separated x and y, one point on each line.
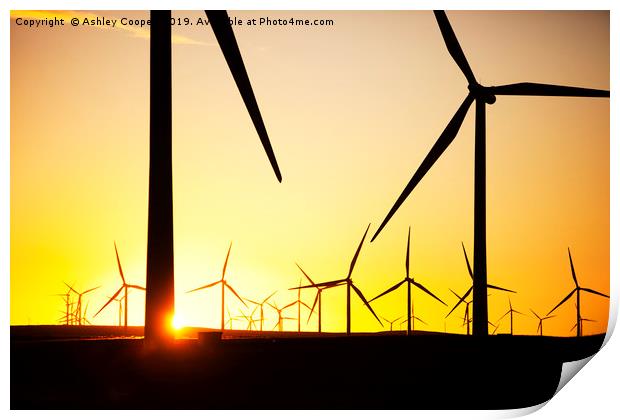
178	321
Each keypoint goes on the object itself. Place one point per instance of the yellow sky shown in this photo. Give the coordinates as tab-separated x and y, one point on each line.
352	109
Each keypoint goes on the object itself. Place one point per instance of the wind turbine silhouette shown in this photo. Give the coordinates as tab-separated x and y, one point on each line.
225	285
577	289
261	304
299	303
125	286
67	300
412	319
391	322
540	321
78	309
159	307
317	298
349	283
482	95
410	281
281	319
510	312
580	322
471	275
467	318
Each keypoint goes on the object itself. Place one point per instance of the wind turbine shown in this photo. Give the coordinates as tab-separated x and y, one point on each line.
281	319
409	281
299	304
67	300
391	322
349	283
482	95
540	321
78	309
261	304
412	319
159	307
471	275
580	322
467	318
317	298
225	285
124	287
577	289
510	312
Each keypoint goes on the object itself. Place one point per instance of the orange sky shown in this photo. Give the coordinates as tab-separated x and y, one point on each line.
352	109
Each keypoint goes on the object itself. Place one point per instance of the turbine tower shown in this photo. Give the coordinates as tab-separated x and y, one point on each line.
482	96
159	307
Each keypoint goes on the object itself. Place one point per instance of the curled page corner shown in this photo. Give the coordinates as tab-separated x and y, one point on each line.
570	369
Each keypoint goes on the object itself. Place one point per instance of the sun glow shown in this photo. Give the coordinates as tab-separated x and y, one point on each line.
178	322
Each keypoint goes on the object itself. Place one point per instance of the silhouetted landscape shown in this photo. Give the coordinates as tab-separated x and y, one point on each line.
51	368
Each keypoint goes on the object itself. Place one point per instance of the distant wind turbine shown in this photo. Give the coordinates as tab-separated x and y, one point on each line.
391	322
539	329
510	312
224	285
124	287
578	289
78	309
280	324
409	281
471	275
349	283
159	307
260	305
482	95
317	298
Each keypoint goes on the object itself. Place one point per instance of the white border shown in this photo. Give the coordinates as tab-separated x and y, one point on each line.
593	394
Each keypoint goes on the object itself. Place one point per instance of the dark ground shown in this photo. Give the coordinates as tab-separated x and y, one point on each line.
51	368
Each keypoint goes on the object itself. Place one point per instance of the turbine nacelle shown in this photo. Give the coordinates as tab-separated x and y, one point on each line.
482	93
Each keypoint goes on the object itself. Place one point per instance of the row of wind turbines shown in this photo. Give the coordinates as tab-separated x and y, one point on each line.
255	319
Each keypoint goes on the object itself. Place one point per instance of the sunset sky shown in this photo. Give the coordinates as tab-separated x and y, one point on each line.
351	110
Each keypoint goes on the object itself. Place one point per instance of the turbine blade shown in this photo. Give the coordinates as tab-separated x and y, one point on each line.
322	285
361	295
219	21
111	299
268	297
118	261
490	286
471	273
461	300
289	305
421	320
539	89
572	268
204	287
440	146
391	289
407	259
226	261
563	300
424	289
72	289
90	290
595	292
357	253
454	48
133	286
305	274
316	299
235	293
535	314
